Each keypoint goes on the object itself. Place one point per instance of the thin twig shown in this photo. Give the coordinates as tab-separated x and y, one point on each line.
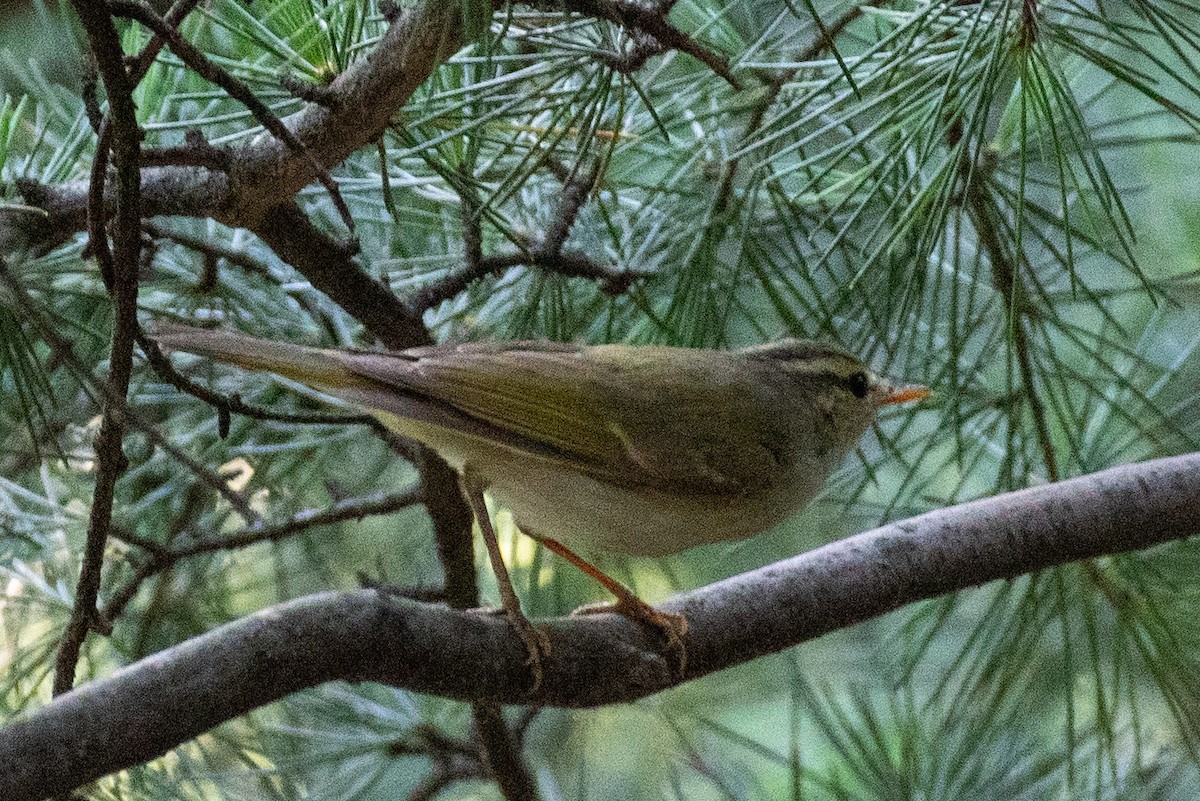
774	86
546	253
121	123
653	22
239	502
469	208
351	509
209	247
570	263
97	216
140	64
160	557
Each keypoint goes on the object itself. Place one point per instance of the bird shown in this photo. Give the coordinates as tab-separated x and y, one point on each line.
644	450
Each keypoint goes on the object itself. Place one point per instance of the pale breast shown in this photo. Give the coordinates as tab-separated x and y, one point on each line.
592	515
548	499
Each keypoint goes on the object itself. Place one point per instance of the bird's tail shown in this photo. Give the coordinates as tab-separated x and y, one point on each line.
316	367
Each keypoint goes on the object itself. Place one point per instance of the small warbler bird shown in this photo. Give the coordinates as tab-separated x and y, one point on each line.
631	449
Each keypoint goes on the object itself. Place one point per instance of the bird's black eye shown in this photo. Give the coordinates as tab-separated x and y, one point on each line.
858	384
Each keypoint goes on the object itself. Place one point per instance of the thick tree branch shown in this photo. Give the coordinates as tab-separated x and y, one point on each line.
596	660
266	171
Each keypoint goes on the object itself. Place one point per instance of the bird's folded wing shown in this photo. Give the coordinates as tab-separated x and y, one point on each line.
582	407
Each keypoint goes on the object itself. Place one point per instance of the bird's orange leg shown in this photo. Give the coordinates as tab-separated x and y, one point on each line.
535	640
672	625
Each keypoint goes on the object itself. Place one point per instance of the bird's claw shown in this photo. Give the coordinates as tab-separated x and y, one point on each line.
672	625
535	640
537	645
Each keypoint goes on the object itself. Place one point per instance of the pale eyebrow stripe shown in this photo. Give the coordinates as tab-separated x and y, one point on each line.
828	367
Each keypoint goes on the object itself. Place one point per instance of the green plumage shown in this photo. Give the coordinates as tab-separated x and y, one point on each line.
642	449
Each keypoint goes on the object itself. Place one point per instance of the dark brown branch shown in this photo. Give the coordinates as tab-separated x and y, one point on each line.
652	22
452	529
547	253
121	278
209	247
600	659
454	760
368	94
575	192
366	97
191	154
140	64
330	269
570	263
501	753
212	479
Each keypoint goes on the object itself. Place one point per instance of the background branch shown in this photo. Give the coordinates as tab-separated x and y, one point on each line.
163	557
119	268
369	94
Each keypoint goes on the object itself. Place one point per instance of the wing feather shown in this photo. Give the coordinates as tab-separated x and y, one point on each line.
644	418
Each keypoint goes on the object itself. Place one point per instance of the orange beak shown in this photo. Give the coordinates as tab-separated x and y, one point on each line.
908	392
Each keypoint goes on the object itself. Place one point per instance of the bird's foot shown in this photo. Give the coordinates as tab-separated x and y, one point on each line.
672	625
535	640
